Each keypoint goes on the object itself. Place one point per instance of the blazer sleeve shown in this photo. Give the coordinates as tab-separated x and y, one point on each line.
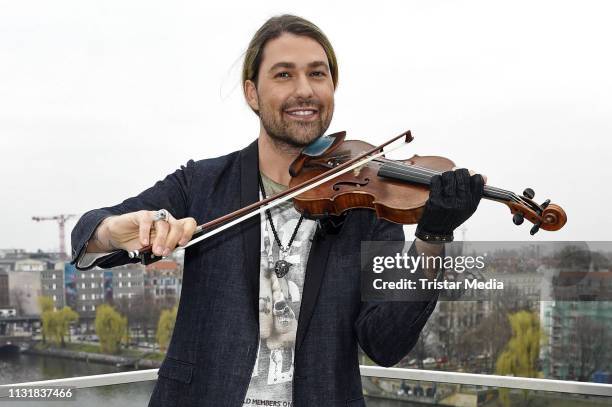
388	330
171	193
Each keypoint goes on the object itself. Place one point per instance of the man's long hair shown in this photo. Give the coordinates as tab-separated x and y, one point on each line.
274	28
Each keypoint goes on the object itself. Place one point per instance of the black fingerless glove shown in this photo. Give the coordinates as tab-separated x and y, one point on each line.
453	198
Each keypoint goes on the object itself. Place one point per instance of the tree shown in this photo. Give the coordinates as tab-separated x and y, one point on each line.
46	306
422	349
586	349
142	313
520	356
55	324
165	327
111	328
148	315
45	303
66	316
51	319
494	331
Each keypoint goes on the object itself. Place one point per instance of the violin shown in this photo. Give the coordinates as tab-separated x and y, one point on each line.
398	189
333	175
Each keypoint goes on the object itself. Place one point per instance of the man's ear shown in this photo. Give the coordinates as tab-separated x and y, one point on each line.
250	93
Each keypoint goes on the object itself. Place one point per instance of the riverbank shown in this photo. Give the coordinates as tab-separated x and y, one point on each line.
91	353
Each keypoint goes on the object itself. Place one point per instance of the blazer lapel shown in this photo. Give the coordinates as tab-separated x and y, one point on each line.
315	269
317	259
249	193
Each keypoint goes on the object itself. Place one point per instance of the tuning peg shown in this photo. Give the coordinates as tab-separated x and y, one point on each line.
534	229
528	193
518	218
545	204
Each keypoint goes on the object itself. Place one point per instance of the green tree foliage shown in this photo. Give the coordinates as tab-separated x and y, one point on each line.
111	328
55	324
520	356
66	316
45	303
46	307
165	327
50	322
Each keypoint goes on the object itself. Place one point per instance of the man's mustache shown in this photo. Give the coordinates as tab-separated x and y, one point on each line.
305	103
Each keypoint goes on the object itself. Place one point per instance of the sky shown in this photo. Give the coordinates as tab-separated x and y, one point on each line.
99	100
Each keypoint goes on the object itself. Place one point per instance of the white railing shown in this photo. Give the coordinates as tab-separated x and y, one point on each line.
559	386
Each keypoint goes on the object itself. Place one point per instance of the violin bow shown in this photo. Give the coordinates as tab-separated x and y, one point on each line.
145	254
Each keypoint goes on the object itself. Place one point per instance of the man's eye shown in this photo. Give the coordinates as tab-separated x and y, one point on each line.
282	75
318	73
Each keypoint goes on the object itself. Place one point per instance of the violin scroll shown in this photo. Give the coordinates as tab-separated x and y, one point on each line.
550	217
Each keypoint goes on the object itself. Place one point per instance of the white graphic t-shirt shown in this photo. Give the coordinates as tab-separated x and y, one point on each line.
279	304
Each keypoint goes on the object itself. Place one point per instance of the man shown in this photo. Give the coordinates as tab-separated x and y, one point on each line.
271	312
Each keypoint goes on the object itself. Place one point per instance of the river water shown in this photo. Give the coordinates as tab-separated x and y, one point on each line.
19	368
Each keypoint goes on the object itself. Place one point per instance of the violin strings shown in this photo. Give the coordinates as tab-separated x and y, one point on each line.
422	171
424	175
434	172
428	171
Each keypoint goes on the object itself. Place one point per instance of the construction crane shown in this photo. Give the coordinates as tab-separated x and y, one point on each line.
61	221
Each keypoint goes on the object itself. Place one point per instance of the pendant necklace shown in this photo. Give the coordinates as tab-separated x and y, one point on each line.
281	267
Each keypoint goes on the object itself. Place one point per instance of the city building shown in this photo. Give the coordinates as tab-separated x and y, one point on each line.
7	264
164	281
12	253
128	282
24	290
30	265
98	286
89	292
4	290
52	285
524	289
576	325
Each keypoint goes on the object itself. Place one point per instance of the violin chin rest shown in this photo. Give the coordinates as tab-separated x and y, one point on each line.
323	145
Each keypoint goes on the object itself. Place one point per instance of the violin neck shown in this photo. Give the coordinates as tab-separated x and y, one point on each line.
420	175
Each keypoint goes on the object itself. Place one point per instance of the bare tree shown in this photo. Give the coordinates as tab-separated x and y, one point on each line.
494	331
587	348
421	350
142	312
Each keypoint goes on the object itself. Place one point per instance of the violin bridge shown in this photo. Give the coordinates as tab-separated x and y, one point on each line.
357	170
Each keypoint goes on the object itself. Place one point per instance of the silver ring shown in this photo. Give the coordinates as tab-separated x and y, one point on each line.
161	214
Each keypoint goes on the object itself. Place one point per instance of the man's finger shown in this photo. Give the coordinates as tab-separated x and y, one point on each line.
463	182
449	184
474	172
477	187
145	221
484	177
161	232
176	231
189	227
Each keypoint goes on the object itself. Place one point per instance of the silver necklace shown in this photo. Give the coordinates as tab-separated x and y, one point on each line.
281	267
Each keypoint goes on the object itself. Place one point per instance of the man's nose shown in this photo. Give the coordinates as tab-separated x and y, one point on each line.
303	87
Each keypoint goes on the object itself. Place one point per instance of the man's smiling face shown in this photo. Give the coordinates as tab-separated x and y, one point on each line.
295	92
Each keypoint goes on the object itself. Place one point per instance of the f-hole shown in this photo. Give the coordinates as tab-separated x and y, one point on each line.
355	184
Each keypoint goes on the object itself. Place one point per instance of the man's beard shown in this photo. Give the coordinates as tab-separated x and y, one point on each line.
290	134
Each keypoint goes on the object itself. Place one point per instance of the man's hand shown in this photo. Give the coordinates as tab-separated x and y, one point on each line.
134	230
453	198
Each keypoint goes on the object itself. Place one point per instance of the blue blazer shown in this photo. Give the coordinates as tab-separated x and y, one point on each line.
214	345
